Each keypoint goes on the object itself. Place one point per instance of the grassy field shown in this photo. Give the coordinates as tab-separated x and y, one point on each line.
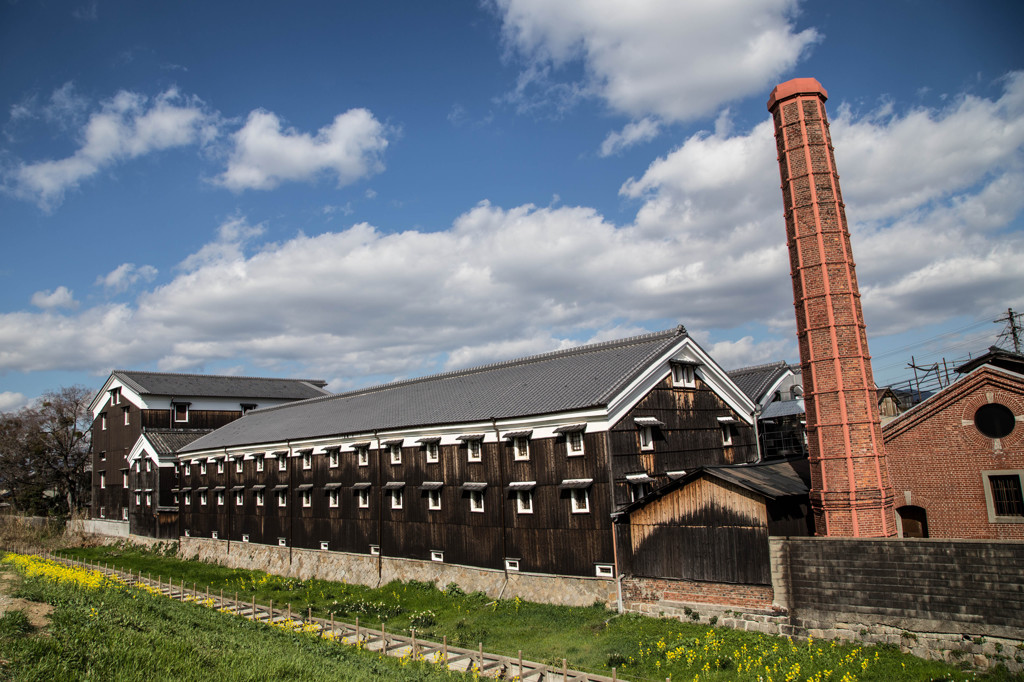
594	638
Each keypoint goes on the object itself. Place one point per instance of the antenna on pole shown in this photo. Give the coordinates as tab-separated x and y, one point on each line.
1013	328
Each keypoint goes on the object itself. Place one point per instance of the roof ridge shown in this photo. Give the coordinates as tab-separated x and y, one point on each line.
678	330
767	365
218	376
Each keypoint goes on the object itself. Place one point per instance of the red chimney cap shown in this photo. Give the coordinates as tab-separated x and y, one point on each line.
792	88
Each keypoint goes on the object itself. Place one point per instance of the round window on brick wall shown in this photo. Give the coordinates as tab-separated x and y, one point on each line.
994	420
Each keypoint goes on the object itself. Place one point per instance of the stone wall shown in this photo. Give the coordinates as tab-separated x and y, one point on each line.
373	571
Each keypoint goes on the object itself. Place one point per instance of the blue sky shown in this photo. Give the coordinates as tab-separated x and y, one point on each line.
364	192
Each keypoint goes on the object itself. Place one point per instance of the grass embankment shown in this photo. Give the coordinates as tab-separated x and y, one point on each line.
593	639
101	629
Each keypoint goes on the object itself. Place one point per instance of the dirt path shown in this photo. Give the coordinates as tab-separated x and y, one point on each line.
38	613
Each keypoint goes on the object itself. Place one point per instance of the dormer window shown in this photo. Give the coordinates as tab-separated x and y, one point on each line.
115	396
684	374
181	413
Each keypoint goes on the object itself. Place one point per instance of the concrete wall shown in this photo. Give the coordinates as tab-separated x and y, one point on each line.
365	570
117	529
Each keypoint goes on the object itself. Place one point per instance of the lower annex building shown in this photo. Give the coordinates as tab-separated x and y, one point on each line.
517	465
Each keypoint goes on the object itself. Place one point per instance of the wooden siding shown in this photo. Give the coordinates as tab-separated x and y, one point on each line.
691	437
197	419
116	441
708	530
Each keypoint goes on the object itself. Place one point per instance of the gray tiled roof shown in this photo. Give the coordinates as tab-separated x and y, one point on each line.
754	381
783	408
168	441
212	386
586	376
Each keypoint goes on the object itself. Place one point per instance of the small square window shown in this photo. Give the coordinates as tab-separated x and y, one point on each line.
728	433
239	498
434	499
363	455
436	555
103	456
259	498
259	463
282	542
474	450
214	535
574	443
433	452
511	564
245	537
188	533
646	437
103	512
476	500
124	513
684	376
307	461
307	498
395	451
324	544
521	448
332	459
334	498
364	498
374	550
604	570
524	501
580	498
396	498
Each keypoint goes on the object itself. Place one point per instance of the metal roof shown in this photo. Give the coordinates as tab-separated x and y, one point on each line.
212	386
576	378
754	381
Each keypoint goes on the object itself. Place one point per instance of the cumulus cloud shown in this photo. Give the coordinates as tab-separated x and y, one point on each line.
127	126
10	401
674	60
631	134
264	156
706	248
125	276
61	297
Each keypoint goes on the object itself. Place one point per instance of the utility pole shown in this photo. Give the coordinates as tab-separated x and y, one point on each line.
1013	330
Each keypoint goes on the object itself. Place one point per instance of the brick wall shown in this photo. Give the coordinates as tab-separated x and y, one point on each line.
968	587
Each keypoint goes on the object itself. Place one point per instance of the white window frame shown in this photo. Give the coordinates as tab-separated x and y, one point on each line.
397	497
103	421
307	461
239	498
127	417
334	498
103	479
174	408
727	435
282	462
138	499
260	498
307	499
260	462
220	498
203	498
245	537
103	512
604	570
524	501
646	437
363	495
124	513
282	498
437	555
282	542
434	500
579	500
395	453
124	479
103	455
332	459
374	550
511	564
214	534
149	499
433	452
115	396
476	501
570	440
475	450
188	499
188	533
324	544
202	468
149	465
188	468
363	456
220	466
521	448
239	465
684	376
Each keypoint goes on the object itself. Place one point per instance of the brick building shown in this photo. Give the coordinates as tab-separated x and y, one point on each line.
957	459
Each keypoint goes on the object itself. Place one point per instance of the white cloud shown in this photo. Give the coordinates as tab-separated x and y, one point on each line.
264	156
61	297
125	276
127	126
674	60
631	134
232	236
10	401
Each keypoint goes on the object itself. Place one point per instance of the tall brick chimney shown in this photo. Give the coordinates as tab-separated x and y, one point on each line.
851	494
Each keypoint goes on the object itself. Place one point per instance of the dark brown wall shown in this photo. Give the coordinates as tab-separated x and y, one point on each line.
116	442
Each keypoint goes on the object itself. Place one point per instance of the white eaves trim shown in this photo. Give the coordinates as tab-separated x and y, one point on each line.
143	449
